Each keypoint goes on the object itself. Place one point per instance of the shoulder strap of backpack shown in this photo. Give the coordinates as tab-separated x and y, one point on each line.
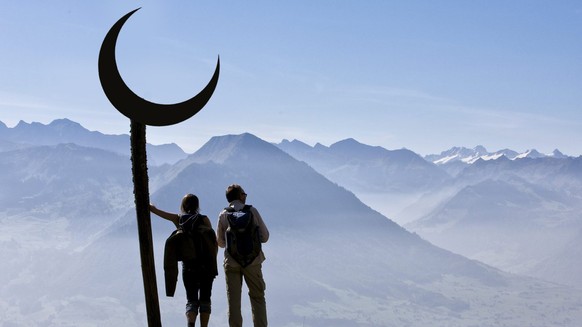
191	220
198	220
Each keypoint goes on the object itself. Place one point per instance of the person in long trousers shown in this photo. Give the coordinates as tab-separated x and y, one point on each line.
247	267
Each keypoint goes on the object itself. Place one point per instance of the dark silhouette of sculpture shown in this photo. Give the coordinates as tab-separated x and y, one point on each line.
141	113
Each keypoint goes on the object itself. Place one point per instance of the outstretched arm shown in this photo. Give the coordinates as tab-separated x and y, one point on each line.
166	215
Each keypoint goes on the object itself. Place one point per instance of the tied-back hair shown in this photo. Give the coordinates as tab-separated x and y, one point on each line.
190	204
233	192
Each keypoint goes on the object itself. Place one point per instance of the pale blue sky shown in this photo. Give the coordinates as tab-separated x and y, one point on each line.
424	75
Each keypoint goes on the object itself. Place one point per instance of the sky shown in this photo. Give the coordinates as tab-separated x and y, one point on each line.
421	75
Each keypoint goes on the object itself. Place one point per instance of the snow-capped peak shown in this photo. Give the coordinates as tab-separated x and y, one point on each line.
470	156
532	153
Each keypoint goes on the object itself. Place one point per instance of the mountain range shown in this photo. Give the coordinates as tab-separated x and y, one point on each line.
456	158
69	236
362	167
62	131
517	212
469	156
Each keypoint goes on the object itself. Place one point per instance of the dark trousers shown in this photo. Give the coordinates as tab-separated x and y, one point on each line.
198	290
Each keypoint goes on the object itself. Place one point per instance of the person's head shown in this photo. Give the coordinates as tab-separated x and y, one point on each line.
235	192
190	204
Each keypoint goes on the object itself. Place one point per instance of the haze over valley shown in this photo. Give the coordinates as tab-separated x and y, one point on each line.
360	235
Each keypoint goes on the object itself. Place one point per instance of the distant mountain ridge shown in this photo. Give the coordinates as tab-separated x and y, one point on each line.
469	156
361	167
61	131
67	131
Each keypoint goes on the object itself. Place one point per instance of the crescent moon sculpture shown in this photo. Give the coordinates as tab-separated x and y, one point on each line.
133	106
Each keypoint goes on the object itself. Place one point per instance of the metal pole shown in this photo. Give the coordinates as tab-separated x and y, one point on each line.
144	226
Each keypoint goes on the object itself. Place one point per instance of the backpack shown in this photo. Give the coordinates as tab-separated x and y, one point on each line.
243	241
202	239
